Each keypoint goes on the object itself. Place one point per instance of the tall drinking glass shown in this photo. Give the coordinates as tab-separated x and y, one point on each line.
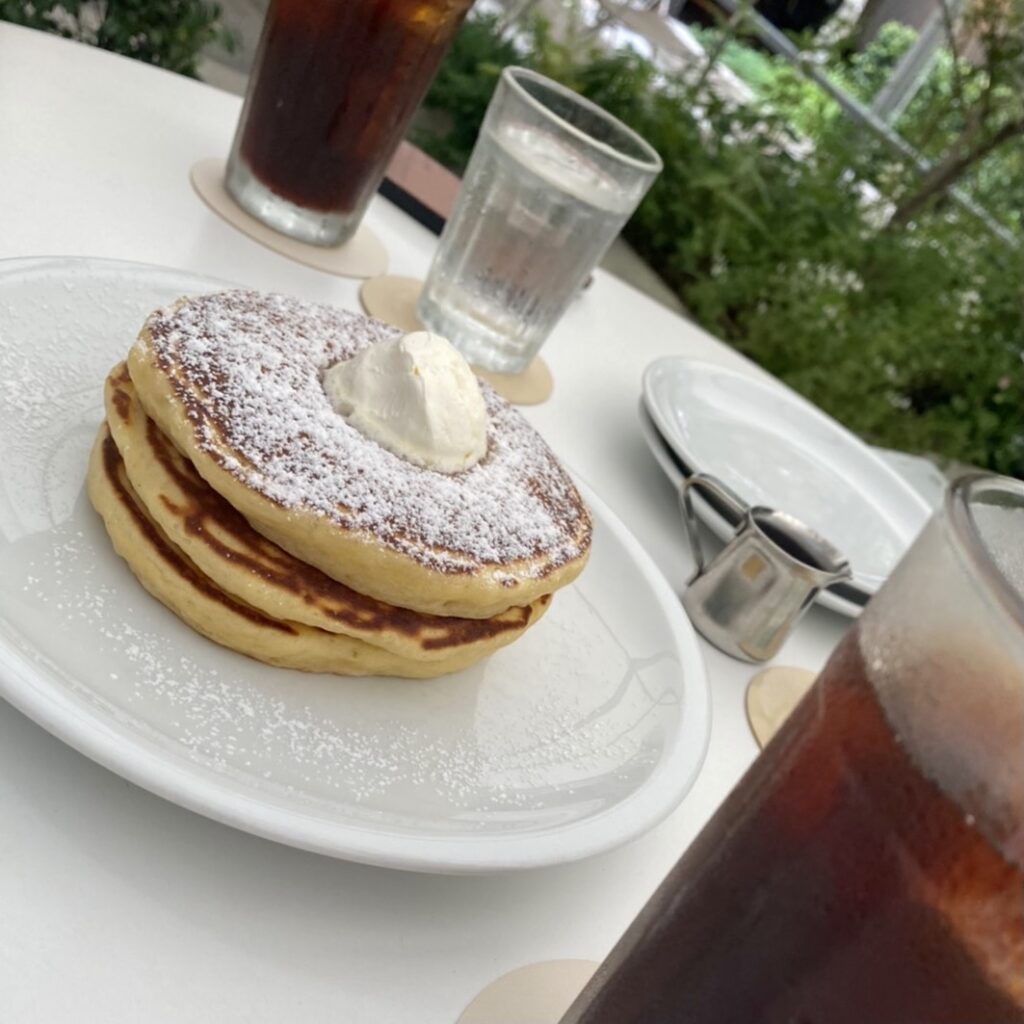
334	85
869	867
551	182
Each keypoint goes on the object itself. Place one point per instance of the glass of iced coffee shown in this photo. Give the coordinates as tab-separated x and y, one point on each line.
333	87
869	867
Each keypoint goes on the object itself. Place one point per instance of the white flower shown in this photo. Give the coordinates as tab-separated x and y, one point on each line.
970	300
90	19
85	28
63	20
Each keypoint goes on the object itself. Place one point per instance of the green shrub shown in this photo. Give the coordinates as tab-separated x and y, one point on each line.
170	33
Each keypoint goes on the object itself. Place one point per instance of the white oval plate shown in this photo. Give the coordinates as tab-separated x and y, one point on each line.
572	741
775	448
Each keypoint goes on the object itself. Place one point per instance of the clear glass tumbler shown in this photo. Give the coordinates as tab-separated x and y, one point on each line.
869	867
551	182
333	87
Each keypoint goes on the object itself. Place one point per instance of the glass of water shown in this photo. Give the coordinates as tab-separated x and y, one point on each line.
551	181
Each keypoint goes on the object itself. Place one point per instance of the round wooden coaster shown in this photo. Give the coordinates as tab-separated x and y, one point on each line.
531	387
536	994
363	255
771	696
393	299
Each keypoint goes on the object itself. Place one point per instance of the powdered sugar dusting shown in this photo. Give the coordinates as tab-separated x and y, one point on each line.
513	744
248	368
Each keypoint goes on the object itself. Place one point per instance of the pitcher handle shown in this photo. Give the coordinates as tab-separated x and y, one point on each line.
725	495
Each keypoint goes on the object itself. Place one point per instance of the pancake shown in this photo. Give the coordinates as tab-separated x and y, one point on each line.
167	573
225	548
234	380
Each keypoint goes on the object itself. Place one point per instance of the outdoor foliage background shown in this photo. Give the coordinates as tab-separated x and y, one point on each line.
168	33
774	223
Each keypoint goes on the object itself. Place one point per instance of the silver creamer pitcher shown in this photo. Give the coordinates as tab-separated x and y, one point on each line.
747	599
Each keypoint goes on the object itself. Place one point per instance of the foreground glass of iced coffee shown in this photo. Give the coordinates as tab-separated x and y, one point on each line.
333	87
551	182
869	868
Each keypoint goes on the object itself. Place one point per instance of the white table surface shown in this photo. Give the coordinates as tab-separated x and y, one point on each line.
119	907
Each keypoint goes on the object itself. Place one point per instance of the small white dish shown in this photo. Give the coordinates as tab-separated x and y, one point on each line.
572	741
774	448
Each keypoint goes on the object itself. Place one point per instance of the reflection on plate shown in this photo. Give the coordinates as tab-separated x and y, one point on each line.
572	741
774	448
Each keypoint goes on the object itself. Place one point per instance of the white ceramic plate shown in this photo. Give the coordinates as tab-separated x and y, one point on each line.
574	740
774	448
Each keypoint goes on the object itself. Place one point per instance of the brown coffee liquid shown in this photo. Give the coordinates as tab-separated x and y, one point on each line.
836	885
336	82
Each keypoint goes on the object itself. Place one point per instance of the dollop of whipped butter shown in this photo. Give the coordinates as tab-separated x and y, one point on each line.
417	396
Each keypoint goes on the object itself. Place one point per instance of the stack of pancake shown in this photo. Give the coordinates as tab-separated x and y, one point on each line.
258	514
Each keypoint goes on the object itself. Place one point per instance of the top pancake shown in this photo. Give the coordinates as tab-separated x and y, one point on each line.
234	379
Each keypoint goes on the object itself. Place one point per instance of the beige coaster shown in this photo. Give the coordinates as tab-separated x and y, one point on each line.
363	255
393	300
772	695
536	994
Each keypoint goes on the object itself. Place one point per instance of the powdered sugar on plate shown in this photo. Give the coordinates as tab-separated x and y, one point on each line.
471	750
